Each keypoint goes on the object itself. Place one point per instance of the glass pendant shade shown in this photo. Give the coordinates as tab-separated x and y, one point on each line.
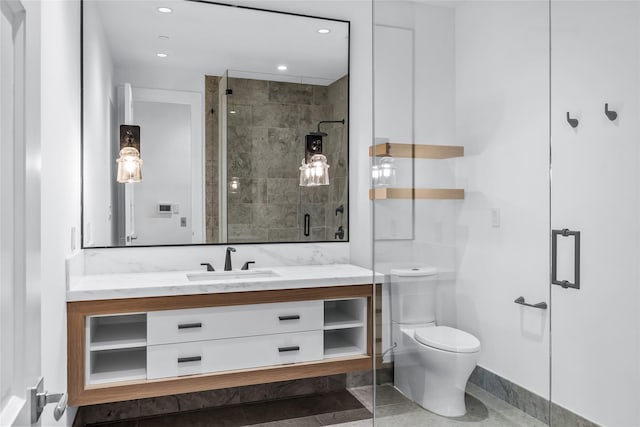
129	165
314	173
383	174
234	185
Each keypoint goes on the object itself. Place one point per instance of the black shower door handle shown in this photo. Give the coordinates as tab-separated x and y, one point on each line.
307	225
565	232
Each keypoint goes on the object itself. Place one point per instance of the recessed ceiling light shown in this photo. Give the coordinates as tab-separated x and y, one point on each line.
324	31
232	112
161	55
282	67
163	38
165	10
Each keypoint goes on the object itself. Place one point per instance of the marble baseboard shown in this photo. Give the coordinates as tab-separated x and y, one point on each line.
384	375
527	401
163	405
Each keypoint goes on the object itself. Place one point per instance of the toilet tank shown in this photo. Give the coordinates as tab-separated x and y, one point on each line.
413	295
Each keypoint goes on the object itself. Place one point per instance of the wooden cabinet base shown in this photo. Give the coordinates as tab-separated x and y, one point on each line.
81	394
153	388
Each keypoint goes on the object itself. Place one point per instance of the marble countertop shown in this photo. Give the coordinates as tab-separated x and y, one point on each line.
170	283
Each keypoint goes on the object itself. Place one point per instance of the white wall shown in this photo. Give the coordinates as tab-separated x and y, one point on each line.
182	80
500	104
166	154
595	189
433	119
502	87
60	182
99	109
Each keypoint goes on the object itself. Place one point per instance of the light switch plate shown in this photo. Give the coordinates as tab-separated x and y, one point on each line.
495	217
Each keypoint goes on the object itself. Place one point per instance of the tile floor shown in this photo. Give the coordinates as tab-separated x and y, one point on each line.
483	410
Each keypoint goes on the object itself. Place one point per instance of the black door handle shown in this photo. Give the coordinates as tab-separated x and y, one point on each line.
565	232
292	348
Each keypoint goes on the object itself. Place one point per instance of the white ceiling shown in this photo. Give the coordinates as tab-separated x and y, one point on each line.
212	38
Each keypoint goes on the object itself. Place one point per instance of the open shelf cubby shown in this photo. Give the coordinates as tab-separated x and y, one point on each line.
346	313
108	366
116	348
117	332
345	327
344	342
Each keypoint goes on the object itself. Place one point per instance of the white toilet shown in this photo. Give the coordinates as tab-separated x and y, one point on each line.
432	363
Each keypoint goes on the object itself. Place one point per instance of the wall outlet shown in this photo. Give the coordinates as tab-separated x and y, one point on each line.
183	221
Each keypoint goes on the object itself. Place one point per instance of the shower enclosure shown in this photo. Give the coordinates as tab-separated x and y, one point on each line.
510	130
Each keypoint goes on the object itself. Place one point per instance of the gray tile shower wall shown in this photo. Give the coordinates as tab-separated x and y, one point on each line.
525	400
211	158
265	145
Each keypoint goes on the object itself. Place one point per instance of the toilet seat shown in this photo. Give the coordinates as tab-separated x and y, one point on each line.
447	339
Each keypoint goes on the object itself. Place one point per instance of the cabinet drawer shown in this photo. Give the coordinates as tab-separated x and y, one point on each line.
172	360
200	324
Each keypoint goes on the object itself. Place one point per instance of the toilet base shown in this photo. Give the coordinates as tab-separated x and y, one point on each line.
433	378
437	396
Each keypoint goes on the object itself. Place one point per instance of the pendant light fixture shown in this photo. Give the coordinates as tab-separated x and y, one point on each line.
314	170
129	162
383	173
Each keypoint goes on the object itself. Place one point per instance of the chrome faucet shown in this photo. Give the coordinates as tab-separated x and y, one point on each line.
227	259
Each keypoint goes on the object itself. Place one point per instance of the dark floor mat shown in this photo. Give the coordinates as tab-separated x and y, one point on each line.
314	410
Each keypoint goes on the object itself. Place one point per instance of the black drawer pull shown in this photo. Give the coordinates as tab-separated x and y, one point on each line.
190	325
189	359
292	317
292	348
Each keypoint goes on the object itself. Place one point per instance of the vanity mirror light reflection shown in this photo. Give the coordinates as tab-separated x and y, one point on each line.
224	97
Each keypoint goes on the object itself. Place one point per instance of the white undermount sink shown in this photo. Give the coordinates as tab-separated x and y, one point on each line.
230	275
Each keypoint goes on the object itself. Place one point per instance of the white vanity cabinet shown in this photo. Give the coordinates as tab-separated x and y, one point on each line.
198	357
210	323
195	341
126	349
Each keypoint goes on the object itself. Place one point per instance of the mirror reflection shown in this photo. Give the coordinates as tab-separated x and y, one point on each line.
241	118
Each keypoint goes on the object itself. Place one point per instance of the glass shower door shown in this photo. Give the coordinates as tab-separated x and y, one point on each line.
595	212
461	109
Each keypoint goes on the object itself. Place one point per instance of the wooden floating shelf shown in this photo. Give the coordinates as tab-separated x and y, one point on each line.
417	151
416	193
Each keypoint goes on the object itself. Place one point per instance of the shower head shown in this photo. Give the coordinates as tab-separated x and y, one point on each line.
318	133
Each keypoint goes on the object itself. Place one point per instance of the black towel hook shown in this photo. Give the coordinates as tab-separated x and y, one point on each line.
611	115
572	122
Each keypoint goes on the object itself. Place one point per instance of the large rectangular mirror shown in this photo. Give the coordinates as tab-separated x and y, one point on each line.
234	113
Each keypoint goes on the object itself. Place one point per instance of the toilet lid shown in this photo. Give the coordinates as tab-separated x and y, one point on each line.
448	339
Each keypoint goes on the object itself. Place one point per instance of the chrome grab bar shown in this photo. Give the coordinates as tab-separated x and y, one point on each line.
540	305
